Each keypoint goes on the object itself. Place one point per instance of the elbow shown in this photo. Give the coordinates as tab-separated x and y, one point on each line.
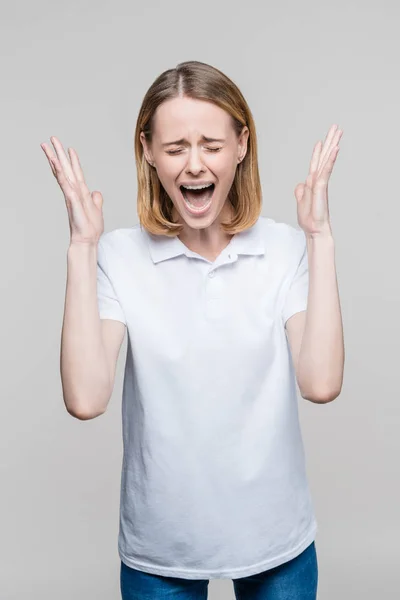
84	415
321	396
82	412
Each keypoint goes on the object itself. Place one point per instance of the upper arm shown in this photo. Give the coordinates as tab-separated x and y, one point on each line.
113	333
294	309
112	318
295	329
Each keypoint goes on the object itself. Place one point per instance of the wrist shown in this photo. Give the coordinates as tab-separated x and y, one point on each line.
321	245
83	246
324	235
80	251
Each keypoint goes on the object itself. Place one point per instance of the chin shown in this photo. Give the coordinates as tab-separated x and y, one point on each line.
199	221
183	214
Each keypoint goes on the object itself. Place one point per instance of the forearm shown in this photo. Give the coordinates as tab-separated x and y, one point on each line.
84	373
321	357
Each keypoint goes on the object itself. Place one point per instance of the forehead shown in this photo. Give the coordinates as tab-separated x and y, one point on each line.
183	117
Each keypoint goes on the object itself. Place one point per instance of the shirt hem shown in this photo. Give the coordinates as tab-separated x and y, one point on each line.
223	573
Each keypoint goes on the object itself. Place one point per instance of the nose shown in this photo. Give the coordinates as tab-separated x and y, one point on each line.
194	164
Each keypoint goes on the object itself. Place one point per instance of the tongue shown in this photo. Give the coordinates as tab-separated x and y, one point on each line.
198	198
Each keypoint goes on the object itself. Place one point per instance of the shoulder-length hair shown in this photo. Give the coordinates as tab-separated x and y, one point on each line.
199	81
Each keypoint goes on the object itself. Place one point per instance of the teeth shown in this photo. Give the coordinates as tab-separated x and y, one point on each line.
197	187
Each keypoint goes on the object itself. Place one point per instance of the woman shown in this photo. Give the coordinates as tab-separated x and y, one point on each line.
224	309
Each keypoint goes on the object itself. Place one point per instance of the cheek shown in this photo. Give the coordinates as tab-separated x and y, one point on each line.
226	160
225	169
167	172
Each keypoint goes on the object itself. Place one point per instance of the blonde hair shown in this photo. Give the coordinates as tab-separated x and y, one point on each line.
199	81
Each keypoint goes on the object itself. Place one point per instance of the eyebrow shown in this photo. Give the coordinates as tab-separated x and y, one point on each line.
203	137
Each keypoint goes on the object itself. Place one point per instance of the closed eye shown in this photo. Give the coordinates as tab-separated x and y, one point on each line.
172	152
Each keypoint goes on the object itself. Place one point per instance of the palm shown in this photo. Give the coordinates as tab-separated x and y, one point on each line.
312	196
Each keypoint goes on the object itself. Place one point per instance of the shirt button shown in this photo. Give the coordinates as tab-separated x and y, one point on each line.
211	274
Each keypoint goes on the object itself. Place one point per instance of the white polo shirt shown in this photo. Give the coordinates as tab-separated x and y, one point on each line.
213	481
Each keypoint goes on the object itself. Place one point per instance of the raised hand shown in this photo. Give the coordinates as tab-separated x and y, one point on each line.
312	196
84	208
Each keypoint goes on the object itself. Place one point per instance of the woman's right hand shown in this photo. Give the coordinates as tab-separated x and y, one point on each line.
84	208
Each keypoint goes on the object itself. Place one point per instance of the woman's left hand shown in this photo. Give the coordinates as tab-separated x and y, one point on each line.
312	196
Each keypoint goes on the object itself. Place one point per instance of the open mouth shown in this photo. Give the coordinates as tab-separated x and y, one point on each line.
198	198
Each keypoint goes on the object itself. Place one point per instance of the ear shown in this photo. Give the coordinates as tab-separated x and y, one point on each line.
146	149
242	143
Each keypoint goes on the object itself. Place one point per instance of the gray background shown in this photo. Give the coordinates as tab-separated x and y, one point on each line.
79	70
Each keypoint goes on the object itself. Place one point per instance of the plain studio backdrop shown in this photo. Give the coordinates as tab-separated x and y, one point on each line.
79	70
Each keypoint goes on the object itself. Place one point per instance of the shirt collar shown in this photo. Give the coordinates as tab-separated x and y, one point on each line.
162	247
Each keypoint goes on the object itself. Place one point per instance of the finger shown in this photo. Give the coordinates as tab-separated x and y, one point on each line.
315	158
49	154
306	197
61	178
327	170
84	191
335	142
58	172
62	157
76	166
299	191
327	143
75	208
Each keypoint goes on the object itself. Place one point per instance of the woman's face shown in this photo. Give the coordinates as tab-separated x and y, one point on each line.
194	144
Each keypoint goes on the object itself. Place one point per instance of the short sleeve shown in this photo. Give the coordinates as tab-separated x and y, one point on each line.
297	293
109	306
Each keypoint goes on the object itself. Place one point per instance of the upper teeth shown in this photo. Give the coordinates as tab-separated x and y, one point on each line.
197	187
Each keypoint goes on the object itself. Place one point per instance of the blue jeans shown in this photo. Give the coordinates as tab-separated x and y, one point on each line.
296	579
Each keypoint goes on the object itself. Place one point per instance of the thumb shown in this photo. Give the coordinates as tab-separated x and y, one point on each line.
97	199
299	191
